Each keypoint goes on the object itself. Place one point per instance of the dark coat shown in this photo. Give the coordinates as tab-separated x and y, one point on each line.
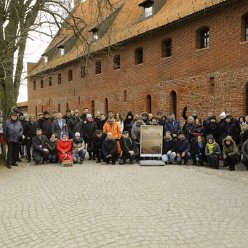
127	144
13	130
245	149
98	141
46	126
168	145
232	129
109	147
89	129
128	123
30	129
172	126
75	125
39	143
52	146
212	129
182	146
196	149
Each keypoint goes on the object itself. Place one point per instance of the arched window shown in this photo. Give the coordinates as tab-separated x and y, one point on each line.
166	48
106	106
50	81
42	108
70	75
203	37
36	112
245	27
138	55
59	107
67	106
246	99
125	96
173	102
93	108
59	78
79	100
148	103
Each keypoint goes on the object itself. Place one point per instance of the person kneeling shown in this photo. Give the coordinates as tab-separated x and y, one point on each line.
198	151
182	149
52	144
128	148
212	152
78	151
64	149
40	151
230	153
109	149
169	154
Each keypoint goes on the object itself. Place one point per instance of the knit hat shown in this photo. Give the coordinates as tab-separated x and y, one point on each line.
77	134
88	116
223	114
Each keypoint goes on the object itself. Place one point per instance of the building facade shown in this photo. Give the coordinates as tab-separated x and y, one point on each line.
177	54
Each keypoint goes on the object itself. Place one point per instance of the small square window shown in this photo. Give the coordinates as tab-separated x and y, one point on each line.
98	67
148	11
117	62
95	35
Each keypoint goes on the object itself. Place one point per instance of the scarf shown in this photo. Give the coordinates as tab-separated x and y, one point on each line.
77	141
211	147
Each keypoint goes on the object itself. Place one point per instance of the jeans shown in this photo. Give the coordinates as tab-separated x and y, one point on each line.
53	158
184	158
78	155
169	157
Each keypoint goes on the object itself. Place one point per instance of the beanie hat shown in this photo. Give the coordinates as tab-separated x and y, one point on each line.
77	134
88	116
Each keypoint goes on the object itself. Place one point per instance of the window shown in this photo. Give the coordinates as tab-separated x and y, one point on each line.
139	56
61	50
41	83
148	103
148	11
45	57
173	102
166	48
125	96
106	105
98	67
117	62
67	106
58	107
70	75
79	100
83	71
245	28
59	78
50	81
203	36
93	108
148	7
34	85
95	33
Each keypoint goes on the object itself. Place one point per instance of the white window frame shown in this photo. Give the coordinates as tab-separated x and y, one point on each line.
148	11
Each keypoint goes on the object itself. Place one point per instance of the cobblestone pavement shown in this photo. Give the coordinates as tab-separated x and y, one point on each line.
109	206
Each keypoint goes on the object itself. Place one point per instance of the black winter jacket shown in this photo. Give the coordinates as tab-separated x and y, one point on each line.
109	147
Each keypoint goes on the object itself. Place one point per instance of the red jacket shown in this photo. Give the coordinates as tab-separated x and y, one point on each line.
64	146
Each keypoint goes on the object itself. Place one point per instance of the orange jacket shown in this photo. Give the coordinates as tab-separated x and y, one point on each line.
115	129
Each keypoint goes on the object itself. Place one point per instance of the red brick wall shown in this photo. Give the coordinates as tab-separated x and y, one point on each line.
187	72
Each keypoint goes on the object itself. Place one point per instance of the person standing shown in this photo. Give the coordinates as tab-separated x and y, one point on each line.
59	126
45	123
13	131
29	133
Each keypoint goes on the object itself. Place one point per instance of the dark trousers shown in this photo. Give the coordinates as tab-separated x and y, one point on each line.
40	156
126	156
29	145
98	153
231	161
13	153
53	157
113	158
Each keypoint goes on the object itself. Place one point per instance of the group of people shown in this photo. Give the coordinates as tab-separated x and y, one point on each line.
56	138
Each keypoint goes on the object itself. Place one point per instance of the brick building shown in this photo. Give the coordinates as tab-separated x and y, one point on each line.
147	56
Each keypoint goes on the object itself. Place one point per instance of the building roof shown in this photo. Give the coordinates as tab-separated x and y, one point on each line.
122	21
